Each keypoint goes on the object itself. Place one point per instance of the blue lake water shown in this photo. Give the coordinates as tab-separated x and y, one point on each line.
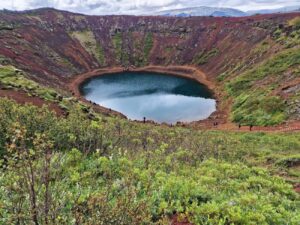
158	97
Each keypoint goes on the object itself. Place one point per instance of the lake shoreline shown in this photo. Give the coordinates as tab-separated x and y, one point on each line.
160	97
189	72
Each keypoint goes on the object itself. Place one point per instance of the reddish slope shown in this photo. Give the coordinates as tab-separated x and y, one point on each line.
23	98
39	41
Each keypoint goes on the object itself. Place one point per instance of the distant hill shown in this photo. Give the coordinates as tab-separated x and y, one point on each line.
279	10
203	11
222	12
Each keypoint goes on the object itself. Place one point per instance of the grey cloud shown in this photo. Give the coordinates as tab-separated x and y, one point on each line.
140	6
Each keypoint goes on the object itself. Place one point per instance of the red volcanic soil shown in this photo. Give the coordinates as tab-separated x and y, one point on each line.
23	98
297	188
220	116
181	71
189	72
40	42
286	127
176	221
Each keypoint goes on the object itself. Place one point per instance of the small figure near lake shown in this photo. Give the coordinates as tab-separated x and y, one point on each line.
251	127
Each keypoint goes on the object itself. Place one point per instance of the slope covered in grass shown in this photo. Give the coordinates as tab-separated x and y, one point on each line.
109	170
257	94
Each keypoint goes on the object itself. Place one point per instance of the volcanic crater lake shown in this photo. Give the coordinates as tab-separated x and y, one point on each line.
158	97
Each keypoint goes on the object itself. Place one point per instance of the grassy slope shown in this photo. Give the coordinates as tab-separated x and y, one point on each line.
145	170
117	44
88	41
253	90
209	177
12	78
255	104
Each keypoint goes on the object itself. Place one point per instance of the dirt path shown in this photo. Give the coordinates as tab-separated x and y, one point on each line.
228	126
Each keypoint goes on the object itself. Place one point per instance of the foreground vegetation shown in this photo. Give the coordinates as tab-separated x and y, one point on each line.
108	170
87	168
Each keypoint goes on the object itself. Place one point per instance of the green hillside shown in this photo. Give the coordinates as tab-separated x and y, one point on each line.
108	170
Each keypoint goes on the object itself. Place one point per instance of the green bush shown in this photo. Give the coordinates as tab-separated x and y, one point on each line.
112	171
289	161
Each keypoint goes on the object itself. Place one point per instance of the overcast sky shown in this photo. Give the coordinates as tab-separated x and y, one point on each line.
100	7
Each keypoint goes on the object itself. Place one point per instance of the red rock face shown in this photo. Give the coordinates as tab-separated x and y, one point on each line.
40	43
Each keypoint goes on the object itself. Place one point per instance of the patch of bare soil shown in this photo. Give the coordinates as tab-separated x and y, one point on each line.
176	221
297	188
22	98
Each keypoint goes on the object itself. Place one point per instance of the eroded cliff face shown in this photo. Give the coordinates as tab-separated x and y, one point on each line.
53	45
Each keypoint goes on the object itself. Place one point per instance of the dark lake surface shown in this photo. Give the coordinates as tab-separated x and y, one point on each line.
158	97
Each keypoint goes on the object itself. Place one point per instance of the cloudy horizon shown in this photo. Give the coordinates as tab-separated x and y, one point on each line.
138	7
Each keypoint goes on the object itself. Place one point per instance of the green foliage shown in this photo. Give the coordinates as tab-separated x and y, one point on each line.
113	171
117	43
253	105
258	109
277	34
295	22
203	57
142	49
289	161
12	78
272	67
148	45
88	40
261	48
100	54
222	77
291	38
255	91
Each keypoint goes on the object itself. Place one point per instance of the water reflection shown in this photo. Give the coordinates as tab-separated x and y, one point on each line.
155	96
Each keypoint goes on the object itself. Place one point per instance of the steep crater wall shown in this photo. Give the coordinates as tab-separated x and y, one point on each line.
54	45
252	62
